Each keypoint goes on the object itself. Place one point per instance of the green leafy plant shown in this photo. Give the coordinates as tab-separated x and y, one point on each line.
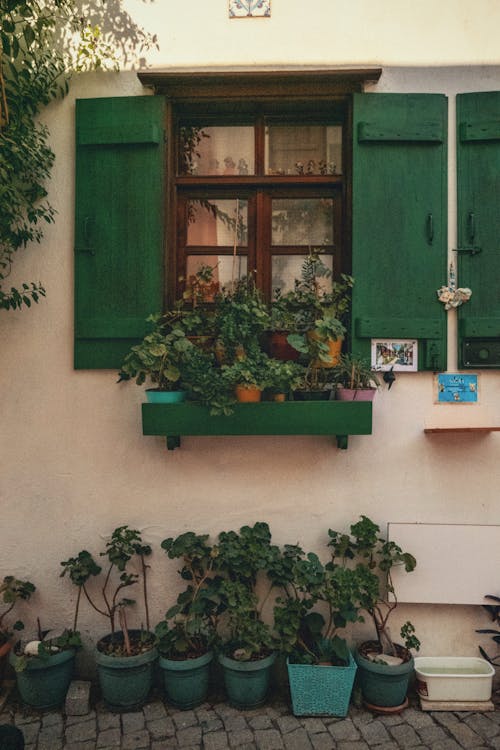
241	316
377	557
305	635
493	611
250	370
283	376
123	545
204	382
189	627
243	557
159	356
12	591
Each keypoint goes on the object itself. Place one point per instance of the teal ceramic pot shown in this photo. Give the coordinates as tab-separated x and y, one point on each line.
165	397
43	684
186	681
321	690
383	685
125	681
247	682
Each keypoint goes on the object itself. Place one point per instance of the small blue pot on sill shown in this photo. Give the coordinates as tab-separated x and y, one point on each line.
156	396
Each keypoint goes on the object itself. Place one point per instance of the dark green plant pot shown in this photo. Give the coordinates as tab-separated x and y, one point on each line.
125	681
186	682
383	685
247	682
43	684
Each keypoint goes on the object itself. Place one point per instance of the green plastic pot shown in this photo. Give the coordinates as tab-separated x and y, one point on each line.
44	682
186	682
321	690
125	681
247	682
381	684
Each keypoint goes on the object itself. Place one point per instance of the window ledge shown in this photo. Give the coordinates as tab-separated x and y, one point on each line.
429	430
335	418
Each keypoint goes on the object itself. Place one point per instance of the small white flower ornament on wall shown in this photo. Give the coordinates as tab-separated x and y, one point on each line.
450	296
249	8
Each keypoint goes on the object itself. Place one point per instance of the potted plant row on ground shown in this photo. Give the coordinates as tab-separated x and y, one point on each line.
221	353
245	600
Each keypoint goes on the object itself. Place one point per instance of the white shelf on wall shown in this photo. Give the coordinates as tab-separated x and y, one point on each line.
454	418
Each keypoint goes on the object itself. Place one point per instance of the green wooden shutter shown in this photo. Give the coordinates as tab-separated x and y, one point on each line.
119	225
399	222
478	169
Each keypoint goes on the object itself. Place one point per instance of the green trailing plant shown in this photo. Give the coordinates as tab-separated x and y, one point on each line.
123	545
204	382
189	627
493	611
378	557
40	44
283	376
251	370
12	591
243	558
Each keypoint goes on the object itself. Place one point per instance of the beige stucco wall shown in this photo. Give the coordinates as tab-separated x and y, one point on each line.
73	462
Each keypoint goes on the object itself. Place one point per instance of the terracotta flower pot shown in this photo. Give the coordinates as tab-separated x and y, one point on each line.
247	394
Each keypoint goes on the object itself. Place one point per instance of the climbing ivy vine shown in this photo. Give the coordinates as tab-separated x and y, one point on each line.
41	43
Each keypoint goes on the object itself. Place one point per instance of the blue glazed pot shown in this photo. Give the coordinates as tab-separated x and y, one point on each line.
155	396
186	681
319	690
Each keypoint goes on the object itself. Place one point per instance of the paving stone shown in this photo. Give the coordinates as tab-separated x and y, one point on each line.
153	711
464	735
78	698
429	735
313	726
184	719
235	724
323	741
30	731
50	743
268	739
211	725
389	746
374	733
133	721
71	720
416	718
405	735
343	730
50	719
238	739
263	722
52	732
445	718
448	744
108	721
109	738
189	736
169	744
81	732
297	740
483	725
287	723
137	740
215	741
352	745
87	745
159	729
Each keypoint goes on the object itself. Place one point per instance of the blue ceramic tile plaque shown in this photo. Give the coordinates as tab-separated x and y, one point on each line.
457	388
249	8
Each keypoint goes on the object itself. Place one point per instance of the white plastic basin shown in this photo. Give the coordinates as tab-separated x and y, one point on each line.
453	678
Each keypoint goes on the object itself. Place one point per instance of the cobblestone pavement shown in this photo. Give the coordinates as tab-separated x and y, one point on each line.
272	727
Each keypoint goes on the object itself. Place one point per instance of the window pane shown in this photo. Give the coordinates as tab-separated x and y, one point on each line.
226	269
218	223
302	221
219	150
303	149
286	268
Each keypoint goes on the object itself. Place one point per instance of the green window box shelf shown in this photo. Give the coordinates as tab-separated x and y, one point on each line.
336	418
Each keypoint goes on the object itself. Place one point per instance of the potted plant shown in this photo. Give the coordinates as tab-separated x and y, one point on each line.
282	323
159	357
248	376
355	379
241	317
283	376
186	635
44	667
384	667
247	650
321	668
12	591
125	657
204	382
